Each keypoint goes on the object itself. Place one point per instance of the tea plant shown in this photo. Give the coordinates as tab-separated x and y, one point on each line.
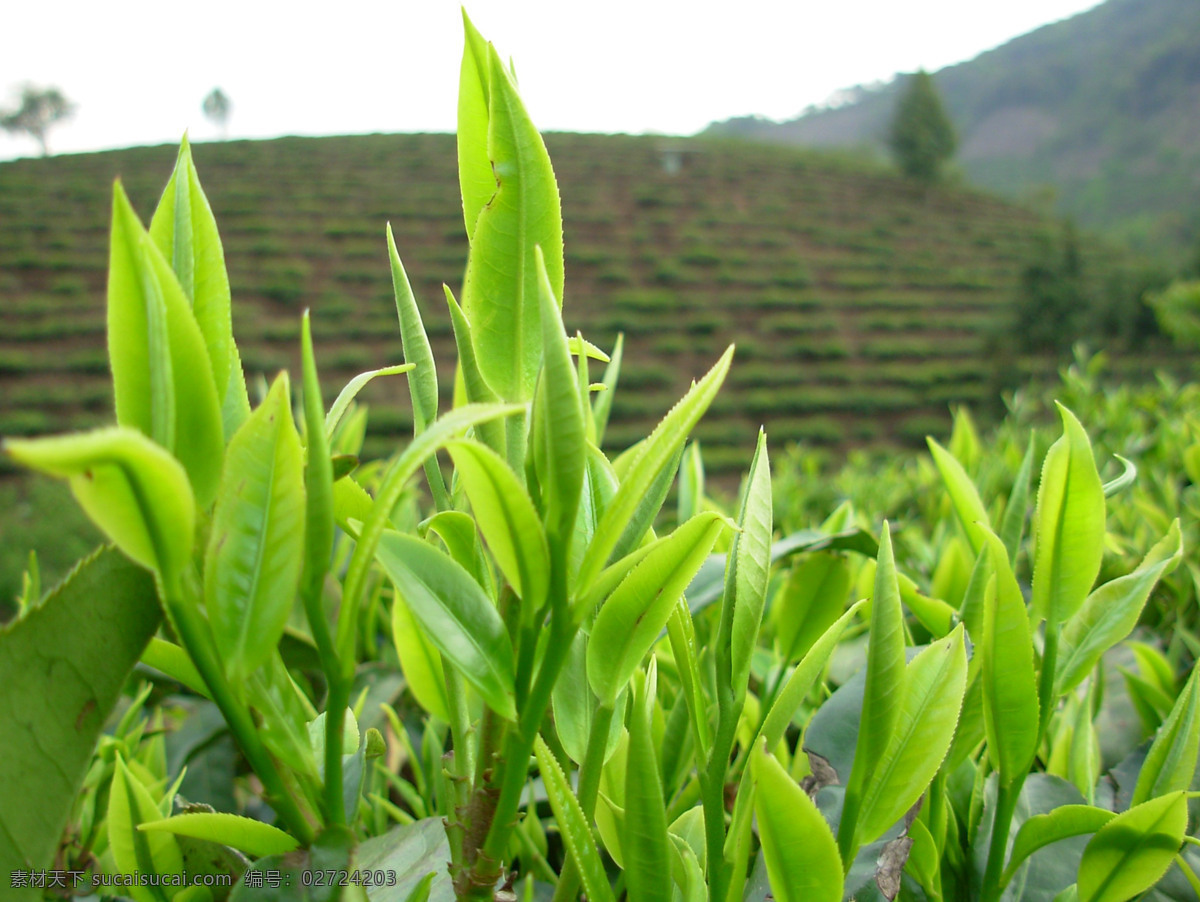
606	709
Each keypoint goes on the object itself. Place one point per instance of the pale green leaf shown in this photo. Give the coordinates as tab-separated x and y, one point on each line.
646	846
1043	829
1069	525
347	395
655	453
162	376
420	661
602	403
136	492
129	805
963	494
522	212
800	851
256	549
245	834
455	614
1171	762
629	622
811	599
747	569
1131	852
475	177
574	827
1110	613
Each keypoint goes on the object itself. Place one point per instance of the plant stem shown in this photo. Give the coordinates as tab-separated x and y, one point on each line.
1046	684
1006	805
593	760
712	794
335	719
183	601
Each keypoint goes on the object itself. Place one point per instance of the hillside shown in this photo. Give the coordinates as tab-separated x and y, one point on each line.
1104	107
860	307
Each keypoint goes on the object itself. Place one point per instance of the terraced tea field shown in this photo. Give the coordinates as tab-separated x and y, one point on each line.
859	305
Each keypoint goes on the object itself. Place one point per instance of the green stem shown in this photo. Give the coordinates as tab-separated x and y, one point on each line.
1046	696
335	719
593	761
183	601
712	795
460	724
1006	805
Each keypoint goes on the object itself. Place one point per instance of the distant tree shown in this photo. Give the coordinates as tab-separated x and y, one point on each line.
1049	314
39	109
921	136
217	107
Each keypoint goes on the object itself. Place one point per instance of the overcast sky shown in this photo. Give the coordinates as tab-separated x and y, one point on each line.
139	69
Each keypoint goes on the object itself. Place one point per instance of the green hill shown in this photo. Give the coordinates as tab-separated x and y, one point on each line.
860	306
1103	107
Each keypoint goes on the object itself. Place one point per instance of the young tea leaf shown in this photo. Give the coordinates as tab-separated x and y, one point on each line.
1131	852
256	550
1171	762
647	848
130	804
963	494
454	614
1069	525
1043	829
245	834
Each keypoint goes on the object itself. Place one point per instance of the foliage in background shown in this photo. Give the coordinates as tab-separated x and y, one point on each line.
38	110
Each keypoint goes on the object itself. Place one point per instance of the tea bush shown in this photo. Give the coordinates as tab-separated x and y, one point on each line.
509	680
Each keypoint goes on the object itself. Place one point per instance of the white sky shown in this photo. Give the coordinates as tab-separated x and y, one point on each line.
139	69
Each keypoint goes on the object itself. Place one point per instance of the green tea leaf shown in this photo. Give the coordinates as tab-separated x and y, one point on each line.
747	569
136	492
1170	764
647	849
559	437
800	851
347	395
319	478
477	390
455	615
691	483
475	176
130	804
813	597
245	834
1012	524
1069	525
1131	852
1043	829
419	661
963	494
1127	478
507	519
1010	691
934	686
460	535
256	550
62	667
520	213
1110	613
162	376
573	826
185	231
656	452
630	621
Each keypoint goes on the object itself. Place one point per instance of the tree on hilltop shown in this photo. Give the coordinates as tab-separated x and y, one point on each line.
217	107
39	109
921	136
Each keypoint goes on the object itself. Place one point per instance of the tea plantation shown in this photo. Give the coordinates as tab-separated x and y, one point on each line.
861	305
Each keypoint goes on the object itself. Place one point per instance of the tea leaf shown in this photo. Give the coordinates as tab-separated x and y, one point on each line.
1171	762
1012	524
1043	829
256	551
1132	851
576	832
963	494
520	213
162	376
419	661
476	179
460	535
1110	613
477	390
1069	525
630	621
130	804
559	438
507	519
813	597
136	492
933	694
347	395
62	667
647	852
655	453
747	569
455	615
1010	692
245	834
800	851
185	231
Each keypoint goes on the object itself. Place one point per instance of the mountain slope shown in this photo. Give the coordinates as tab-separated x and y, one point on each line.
860	304
1104	107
